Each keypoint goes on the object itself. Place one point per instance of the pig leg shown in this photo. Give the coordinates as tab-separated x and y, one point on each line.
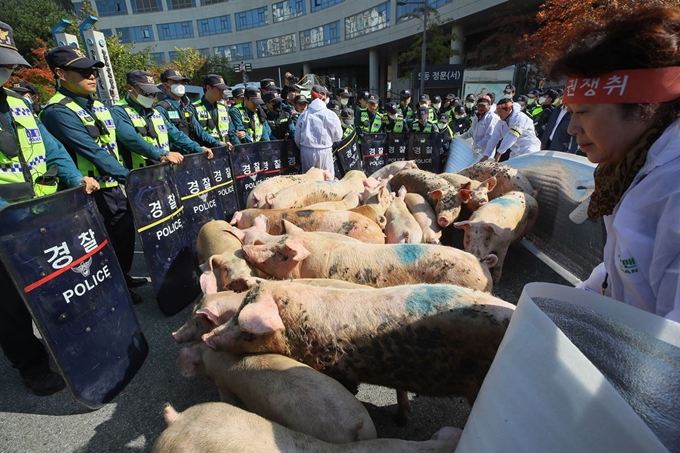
403	407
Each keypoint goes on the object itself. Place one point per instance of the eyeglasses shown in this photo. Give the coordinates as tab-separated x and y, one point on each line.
85	73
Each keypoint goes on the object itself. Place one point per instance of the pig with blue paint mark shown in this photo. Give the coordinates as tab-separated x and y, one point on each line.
497	224
436	340
377	265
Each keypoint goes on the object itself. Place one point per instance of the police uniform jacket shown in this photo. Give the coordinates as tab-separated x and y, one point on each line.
186	112
516	134
213	111
55	154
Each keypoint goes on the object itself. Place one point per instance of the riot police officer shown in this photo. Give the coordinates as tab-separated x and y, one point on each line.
369	120
247	117
393	121
212	115
279	120
31	160
423	124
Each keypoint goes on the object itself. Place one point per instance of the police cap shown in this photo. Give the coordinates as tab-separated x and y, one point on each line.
254	95
271	96
69	57
174	75
215	80
143	80
346	113
9	54
405	94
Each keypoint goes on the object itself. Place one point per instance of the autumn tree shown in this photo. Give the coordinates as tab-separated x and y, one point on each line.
39	75
124	59
195	65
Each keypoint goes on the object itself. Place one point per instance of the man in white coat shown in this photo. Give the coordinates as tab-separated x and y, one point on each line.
316	130
515	132
483	124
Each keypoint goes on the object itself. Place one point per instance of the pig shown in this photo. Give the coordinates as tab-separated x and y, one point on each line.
497	224
508	179
479	191
425	216
307	193
402	227
394	168
221	427
377	265
442	196
257	197
211	311
284	391
349	201
214	238
350	224
379	199
433	339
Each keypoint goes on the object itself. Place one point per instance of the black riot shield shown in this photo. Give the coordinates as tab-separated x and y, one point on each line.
348	154
246	165
374	152
290	158
198	194
61	261
223	181
397	147
272	154
424	149
162	225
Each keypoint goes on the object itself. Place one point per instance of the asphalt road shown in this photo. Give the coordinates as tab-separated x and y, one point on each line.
133	421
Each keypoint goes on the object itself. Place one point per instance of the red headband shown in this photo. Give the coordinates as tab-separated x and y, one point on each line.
631	86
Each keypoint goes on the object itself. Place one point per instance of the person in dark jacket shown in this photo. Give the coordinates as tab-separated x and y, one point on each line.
556	137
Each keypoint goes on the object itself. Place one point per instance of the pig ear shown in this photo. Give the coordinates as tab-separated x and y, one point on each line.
490	183
262	223
241	285
290	228
240	234
235	218
382	193
402	192
207	279
436	194
296	250
208	315
464	225
261	317
490	260
269	198
493	229
464	195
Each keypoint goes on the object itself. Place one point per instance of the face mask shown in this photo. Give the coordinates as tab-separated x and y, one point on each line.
424	104
458	116
443	125
145	101
5	74
469	104
348	122
392	116
541	100
437	105
178	89
507	95
531	101
344	102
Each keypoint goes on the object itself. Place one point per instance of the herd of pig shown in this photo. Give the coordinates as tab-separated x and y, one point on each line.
321	285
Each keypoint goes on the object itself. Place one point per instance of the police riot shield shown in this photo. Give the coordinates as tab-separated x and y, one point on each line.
272	154
223	181
424	149
162	226
63	265
246	165
374	152
397	147
348	154
291	159
198	193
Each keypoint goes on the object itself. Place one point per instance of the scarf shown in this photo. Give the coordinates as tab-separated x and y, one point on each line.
612	181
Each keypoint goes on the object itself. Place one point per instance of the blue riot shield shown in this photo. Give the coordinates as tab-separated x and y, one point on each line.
291	159
273	155
162	226
374	152
424	149
348	154
223	181
62	263
246	165
397	147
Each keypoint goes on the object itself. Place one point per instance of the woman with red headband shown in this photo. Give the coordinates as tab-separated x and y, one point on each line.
623	91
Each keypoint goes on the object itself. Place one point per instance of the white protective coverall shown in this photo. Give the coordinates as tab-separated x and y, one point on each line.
642	253
316	130
481	130
517	134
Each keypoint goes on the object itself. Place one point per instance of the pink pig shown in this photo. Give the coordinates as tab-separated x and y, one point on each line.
257	197
402	227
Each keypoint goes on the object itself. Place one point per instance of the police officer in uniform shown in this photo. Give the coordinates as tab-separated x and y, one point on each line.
393	121
212	115
461	122
31	160
176	108
279	120
86	128
424	124
343	96
369	120
30	93
534	108
142	133
248	117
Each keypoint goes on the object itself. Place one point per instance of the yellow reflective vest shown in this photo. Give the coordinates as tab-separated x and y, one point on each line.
220	131
139	123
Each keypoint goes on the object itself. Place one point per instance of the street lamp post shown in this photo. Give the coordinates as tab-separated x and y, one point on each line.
424	47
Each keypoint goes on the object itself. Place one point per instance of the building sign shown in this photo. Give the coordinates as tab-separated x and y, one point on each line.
95	46
441	75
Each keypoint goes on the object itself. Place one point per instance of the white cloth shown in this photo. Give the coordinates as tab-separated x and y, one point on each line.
642	253
481	130
507	133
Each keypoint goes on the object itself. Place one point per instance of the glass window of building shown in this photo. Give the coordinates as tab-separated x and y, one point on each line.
279	45
135	34
402	10
214	25
77	6
251	19
318	5
180	4
287	10
107	32
173	54
320	36
157	57
175	30
211	2
368	21
235	52
146	6
205	52
107	8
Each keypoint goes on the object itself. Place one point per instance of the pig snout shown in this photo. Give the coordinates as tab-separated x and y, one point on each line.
178	337
443	221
